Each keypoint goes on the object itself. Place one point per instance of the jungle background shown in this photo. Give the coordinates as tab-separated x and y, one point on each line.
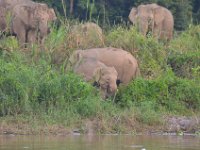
39	96
109	12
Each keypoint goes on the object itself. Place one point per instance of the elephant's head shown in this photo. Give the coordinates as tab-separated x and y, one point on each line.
44	15
143	16
106	78
32	18
133	15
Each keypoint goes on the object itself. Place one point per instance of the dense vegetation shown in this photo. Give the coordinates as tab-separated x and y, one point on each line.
34	85
109	12
37	89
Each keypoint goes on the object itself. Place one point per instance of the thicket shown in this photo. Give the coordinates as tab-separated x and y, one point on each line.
34	81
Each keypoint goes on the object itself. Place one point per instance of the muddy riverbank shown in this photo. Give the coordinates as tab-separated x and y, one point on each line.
170	125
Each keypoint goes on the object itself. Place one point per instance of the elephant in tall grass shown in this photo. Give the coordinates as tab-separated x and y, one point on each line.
98	74
6	7
29	20
125	64
86	35
153	18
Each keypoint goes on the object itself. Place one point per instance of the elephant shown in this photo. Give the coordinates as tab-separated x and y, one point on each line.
6	7
98	74
125	64
86	35
29	20
152	17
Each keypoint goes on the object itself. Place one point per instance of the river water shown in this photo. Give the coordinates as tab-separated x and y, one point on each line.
100	142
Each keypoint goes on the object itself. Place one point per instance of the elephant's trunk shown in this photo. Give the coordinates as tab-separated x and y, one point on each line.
111	90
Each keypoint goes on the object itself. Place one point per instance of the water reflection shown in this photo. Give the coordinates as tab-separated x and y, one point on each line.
101	142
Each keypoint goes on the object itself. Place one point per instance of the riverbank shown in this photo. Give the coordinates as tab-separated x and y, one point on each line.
170	126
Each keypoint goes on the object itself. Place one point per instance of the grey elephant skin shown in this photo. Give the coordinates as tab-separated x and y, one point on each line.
154	18
29	20
125	64
97	74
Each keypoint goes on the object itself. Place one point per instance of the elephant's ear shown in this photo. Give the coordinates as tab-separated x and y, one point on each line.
25	13
133	14
158	15
97	74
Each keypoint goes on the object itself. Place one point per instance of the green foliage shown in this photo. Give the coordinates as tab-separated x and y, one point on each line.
10	43
168	92
23	88
183	64
87	107
13	88
146	113
184	53
187	41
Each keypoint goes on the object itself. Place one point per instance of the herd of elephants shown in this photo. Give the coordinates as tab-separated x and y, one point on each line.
105	68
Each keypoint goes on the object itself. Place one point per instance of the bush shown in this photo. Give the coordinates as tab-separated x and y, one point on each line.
184	53
25	88
187	41
184	64
168	92
14	89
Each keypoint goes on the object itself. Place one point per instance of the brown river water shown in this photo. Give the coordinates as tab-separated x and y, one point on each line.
99	142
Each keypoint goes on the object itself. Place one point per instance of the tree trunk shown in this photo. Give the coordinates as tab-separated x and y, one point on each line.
71	6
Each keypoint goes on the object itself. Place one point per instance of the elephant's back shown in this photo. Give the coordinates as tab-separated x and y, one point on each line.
10	4
124	62
110	56
106	53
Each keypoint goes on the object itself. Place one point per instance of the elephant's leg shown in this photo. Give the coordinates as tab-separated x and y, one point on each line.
19	29
21	35
157	31
31	37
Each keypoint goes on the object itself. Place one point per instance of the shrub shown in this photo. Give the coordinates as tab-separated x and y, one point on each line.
184	64
184	53
25	88
14	89
187	41
168	91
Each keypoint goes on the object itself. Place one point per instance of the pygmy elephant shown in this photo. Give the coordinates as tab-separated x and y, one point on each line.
6	8
153	18
30	22
86	35
98	74
124	63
